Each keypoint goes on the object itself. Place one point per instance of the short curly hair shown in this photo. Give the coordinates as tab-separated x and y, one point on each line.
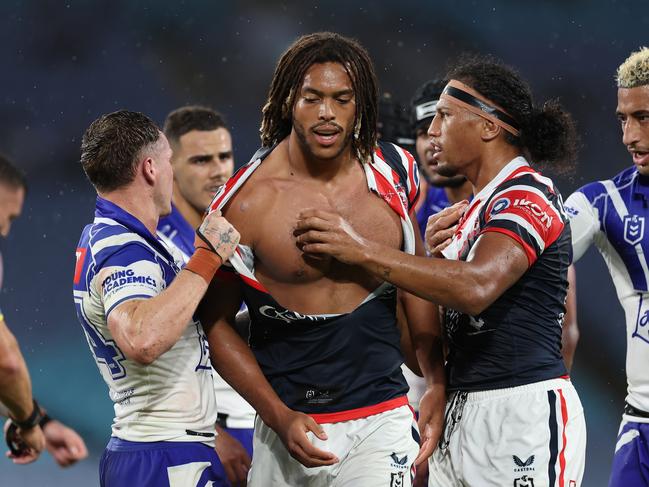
634	71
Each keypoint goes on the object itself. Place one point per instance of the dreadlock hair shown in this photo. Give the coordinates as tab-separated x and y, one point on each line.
322	47
547	133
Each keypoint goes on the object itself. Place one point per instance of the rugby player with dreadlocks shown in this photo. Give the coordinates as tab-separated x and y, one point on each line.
325	334
513	416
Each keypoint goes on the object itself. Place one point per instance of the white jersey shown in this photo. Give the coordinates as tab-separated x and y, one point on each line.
171	399
178	234
612	214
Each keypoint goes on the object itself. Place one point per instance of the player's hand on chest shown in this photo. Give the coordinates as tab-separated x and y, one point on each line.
275	242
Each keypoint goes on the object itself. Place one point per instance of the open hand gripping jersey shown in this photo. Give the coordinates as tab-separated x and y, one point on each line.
517	339
613	215
172	399
344	364
174	230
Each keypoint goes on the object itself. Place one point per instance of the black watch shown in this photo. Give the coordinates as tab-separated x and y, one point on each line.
33	420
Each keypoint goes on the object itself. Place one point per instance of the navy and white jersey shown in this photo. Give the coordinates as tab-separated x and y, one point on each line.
172	399
612	214
314	362
517	339
176	232
436	200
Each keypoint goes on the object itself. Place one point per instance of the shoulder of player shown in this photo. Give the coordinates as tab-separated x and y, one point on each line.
256	195
396	157
109	241
596	189
529	183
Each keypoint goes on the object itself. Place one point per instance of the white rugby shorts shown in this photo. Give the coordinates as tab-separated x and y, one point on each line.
378	450
527	436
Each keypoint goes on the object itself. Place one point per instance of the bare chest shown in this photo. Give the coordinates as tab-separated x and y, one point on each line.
277	254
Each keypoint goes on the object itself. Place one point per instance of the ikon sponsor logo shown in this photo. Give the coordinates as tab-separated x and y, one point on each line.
535	210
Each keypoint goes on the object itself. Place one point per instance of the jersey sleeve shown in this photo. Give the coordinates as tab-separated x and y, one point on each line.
584	223
130	273
413	179
530	214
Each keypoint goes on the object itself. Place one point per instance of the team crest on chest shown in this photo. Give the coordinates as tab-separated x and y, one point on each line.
633	229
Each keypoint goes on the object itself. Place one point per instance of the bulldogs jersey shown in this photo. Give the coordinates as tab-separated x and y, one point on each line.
436	200
336	366
612	214
517	339
172	399
176	232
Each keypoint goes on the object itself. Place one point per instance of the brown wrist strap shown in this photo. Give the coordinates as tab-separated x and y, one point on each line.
205	263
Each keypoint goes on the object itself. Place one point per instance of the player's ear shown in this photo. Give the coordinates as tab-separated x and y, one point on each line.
489	130
148	169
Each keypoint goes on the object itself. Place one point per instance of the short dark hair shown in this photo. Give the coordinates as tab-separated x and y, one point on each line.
111	145
547	132
308	50
430	91
10	175
193	117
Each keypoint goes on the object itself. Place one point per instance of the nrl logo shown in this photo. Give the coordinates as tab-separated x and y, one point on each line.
633	229
524	481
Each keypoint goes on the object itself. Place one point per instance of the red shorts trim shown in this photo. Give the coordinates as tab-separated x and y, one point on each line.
363	412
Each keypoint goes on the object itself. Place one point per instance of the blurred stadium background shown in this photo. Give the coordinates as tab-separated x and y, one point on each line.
67	62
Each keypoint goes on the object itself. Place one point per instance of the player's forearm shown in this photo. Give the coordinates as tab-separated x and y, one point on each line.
148	328
426	336
15	384
234	361
449	283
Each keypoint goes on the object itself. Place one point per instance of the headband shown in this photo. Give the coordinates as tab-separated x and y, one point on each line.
466	97
425	110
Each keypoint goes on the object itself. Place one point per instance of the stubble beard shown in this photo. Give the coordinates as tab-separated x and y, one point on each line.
306	148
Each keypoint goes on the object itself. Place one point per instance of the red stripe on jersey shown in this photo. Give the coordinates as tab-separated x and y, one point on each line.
81	256
535	209
562	455
358	413
519	172
254	283
387	192
529	251
228	187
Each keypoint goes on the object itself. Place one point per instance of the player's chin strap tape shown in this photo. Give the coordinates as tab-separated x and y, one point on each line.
473	101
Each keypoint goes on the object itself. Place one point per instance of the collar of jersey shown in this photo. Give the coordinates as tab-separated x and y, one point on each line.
107	209
504	173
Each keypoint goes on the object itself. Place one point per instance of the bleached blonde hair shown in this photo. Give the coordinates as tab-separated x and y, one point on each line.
635	70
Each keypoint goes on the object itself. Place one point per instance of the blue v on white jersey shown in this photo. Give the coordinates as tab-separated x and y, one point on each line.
172	399
614	214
